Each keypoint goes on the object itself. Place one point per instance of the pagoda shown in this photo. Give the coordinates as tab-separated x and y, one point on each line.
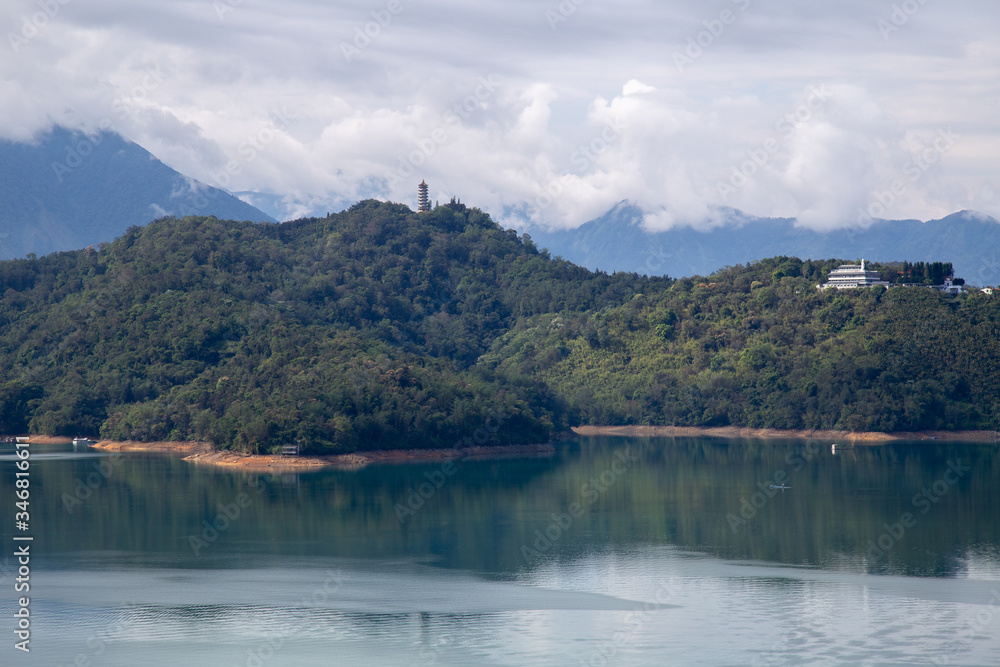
423	201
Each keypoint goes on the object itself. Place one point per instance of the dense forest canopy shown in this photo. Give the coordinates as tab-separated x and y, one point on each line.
927	273
378	327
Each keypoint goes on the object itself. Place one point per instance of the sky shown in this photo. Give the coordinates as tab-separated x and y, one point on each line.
834	113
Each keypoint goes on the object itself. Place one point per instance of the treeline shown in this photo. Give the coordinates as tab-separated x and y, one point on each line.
760	346
360	330
928	273
381	328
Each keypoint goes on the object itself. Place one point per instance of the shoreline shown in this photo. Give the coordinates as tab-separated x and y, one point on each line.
361	459
165	446
738	432
200	452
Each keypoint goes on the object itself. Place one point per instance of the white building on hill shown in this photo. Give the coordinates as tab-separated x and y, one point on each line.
850	276
950	287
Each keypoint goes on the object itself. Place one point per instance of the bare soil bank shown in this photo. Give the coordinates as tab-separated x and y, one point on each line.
869	437
170	447
201	452
42	439
49	440
271	463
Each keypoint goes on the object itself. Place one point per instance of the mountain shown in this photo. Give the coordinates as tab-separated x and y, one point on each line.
378	327
69	190
617	242
358	330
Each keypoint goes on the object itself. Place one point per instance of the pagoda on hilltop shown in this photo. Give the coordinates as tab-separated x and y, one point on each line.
423	201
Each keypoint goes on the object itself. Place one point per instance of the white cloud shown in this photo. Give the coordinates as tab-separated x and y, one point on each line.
636	87
201	90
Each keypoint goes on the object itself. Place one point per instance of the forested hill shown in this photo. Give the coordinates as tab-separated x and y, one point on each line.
358	330
378	327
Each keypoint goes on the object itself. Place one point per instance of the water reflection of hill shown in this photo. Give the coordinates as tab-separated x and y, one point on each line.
489	515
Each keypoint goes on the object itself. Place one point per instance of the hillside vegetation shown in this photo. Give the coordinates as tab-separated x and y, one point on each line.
381	328
359	330
760	346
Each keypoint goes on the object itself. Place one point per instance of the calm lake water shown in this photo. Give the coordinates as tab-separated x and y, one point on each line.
612	552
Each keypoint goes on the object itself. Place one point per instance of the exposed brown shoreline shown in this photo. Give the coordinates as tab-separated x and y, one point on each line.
48	440
167	446
870	437
202	452
354	460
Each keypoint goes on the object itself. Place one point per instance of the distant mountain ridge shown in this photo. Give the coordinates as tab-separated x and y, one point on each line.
617	241
68	190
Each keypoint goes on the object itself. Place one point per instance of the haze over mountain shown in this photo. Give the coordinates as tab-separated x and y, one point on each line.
617	241
283	207
67	190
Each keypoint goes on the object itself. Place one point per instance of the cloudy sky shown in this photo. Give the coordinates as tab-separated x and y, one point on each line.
554	111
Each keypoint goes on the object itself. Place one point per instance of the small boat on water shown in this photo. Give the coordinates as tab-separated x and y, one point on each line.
77	441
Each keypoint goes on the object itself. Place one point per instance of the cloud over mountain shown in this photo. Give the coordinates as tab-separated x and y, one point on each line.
556	110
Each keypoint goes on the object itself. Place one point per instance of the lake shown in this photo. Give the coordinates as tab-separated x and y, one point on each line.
614	551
